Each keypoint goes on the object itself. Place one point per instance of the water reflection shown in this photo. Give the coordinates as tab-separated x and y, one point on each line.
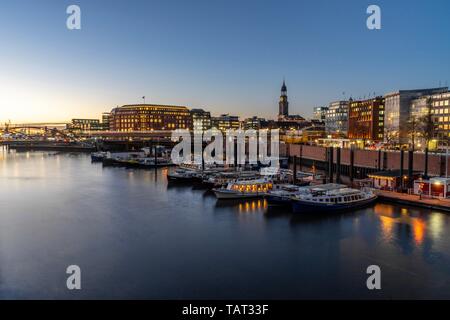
244	206
408	223
172	241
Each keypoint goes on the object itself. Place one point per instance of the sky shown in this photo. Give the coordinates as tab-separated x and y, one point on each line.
224	56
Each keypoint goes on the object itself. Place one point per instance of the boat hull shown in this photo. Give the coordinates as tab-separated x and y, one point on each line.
278	200
227	194
299	206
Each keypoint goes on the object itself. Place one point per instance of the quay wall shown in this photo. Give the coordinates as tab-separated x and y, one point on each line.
373	160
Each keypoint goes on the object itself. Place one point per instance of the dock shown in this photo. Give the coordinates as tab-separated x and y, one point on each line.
414	200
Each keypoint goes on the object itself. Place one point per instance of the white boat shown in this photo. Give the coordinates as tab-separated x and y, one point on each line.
330	198
219	179
281	194
241	189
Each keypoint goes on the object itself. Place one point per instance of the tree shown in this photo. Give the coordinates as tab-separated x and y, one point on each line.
390	136
426	124
412	129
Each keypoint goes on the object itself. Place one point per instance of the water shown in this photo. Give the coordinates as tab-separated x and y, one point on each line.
135	237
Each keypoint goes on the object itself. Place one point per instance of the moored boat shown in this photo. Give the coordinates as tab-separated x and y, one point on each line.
242	189
219	179
98	156
331	198
281	194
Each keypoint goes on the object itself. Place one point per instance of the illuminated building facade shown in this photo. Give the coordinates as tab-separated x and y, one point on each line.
84	125
336	117
226	122
149	117
105	120
255	123
439	105
397	112
201	120
366	119
319	113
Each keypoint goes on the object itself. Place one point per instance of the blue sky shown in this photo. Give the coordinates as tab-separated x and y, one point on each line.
225	56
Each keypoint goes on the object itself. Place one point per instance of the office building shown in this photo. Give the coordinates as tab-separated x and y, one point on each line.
336	118
398	110
201	120
225	122
366	119
149	117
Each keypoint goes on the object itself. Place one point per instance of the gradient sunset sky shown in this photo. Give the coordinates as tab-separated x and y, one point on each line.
223	56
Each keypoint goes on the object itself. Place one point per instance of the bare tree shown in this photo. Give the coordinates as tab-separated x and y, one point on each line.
426	124
413	129
390	136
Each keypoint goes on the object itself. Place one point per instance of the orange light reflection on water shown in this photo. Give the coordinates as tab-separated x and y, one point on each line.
388	218
252	206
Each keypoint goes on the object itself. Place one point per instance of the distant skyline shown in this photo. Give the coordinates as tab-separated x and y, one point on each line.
222	56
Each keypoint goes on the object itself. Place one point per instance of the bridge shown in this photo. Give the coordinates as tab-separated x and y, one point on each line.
33	129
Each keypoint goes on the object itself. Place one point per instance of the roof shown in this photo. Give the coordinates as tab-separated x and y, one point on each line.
151	105
391	173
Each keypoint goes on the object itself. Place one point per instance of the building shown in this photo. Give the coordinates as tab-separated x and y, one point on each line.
84	125
438	187
397	112
439	106
105	120
201	120
149	117
255	123
283	107
319	113
336	118
392	180
366	119
283	104
226	122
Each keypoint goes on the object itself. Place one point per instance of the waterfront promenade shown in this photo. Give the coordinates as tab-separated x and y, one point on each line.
415	200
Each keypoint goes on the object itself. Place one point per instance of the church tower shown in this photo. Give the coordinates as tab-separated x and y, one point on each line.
283	104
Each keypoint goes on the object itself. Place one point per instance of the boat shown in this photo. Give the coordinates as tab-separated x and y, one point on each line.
304	178
281	194
331	198
183	176
98	156
152	163
219	179
241	189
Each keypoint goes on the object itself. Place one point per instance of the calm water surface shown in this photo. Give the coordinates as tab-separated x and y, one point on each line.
135	237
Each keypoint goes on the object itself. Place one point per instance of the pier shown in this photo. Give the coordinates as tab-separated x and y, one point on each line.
415	200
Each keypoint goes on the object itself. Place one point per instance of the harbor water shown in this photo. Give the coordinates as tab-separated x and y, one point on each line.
135	236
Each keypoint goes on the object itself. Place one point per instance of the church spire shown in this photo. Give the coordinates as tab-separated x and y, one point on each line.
283	87
283	110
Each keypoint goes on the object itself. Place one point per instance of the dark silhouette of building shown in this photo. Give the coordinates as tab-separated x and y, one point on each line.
283	110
